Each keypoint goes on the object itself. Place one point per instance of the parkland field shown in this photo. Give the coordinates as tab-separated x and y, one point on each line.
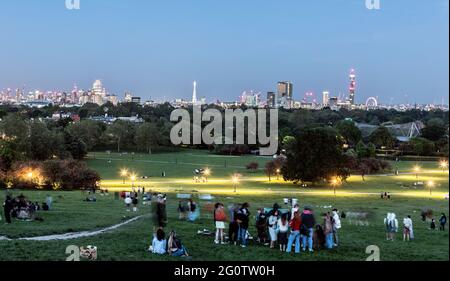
173	173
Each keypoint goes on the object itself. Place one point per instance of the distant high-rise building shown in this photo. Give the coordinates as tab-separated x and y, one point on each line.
352	87
128	97
333	101
284	91
326	98
271	99
194	93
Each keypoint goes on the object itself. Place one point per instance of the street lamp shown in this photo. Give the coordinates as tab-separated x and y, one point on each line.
133	178
444	165
430	186
417	170
124	173
235	181
278	174
334	183
207	173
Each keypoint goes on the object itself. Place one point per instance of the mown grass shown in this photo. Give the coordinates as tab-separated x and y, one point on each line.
131	241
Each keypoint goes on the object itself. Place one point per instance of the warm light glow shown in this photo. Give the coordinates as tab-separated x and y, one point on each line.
430	184
133	177
334	181
278	171
207	172
235	179
124	172
443	164
417	168
30	175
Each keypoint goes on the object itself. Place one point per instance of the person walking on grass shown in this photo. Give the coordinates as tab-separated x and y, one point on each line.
219	221
282	227
307	228
295	225
273	223
442	222
407	228
243	220
391	223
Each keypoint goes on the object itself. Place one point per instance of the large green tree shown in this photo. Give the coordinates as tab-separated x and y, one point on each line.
147	137
348	130
316	155
381	137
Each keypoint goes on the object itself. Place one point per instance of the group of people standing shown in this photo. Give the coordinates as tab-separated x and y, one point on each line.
273	227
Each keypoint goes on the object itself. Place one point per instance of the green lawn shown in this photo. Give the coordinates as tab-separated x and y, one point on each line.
131	241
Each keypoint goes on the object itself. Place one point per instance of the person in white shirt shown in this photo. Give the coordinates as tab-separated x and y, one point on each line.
336	226
407	228
273	220
159	243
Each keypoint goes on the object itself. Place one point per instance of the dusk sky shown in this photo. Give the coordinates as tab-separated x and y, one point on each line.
155	49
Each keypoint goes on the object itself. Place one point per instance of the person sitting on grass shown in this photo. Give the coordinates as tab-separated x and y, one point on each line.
174	246
433	224
159	243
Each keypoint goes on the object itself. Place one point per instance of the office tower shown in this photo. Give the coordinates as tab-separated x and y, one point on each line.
271	99
326	98
352	87
284	90
194	93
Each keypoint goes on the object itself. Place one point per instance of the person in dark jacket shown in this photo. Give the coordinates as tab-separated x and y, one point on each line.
161	213
442	222
242	220
7	208
307	228
233	226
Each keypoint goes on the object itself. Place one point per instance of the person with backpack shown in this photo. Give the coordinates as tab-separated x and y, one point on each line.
219	221
442	222
295	225
336	220
307	228
391	224
243	220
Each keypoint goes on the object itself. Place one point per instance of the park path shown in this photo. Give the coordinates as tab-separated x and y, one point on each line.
74	235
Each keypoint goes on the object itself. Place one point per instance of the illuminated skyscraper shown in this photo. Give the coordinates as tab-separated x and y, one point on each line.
352	87
194	93
284	91
326	98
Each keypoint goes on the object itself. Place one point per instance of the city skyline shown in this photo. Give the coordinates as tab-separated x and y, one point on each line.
157	58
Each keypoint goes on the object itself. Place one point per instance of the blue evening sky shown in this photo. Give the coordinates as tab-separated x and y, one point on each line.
155	49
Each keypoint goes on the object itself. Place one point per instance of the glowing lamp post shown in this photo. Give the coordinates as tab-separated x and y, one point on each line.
417	170
334	183
133	178
278	174
444	165
207	173
430	186
235	181
123	173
